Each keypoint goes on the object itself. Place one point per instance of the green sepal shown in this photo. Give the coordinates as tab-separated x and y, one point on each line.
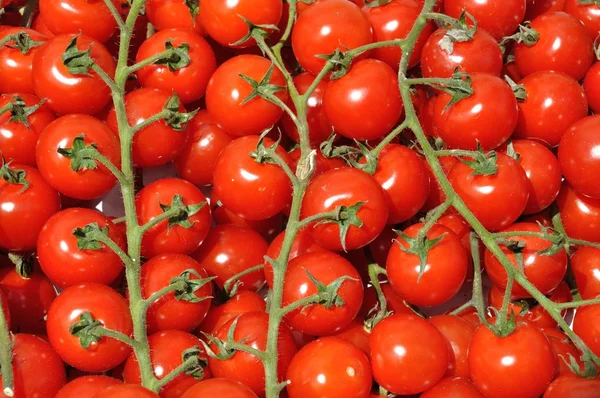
79	154
179	57
484	164
23	264
86	329
459	33
20	112
195	369
193	7
346	216
420	247
185	212
86	239
262	154
76	61
518	90
175	119
263	89
341	62
253	30
187	287
459	91
332	299
23	42
13	176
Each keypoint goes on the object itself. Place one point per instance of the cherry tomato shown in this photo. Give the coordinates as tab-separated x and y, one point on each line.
589	14
219	388
182	237
126	390
322	163
106	306
585	264
87	386
67	93
573	387
242	302
357	334
564	351
586	324
268	228
27	201
327	26
580	214
40	26
17	65
395	303
227	92
535	8
408	354
564	46
591	81
453	387
499	18
174	14
458	332
329	366
436	194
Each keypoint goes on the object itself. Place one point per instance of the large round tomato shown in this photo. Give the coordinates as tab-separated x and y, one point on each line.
580	214
87	386
585	264
458	387
17	65
587	326
590	84
242	302
126	390
219	388
573	387
174	14
589	14
458	332
499	18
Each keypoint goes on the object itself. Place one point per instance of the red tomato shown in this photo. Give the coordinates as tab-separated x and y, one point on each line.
481	54
242	302
458	332
87	183
126	390
227	90
580	214
169	312
501	366
496	200
489	116
37	370
166	351
322	163
564	350
106	306
87	386
174	14
408	354
394	20
458	387
165	238
535	8
329	366
66	93
230	250
40	26
17	65
573	387
268	228
245	367
158	143
381	246
585	264
374	111
357	334
395	303
219	388
238	177
346	187
587	326
564	46
543	116
498	17
189	82
325	267
591	81
23	213
436	194
328	26
588	14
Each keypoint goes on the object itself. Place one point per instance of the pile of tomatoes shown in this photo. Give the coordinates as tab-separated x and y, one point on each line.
518	148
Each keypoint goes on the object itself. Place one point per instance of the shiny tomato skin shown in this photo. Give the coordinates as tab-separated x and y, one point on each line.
580	214
346	187
242	302
106	306
66	93
163	238
499	18
478	55
225	388
173	14
87	386
227	90
357	334
588	14
585	264
166	350
327	26
572	55
169	313
126	390
394	20
24	213
255	191
17	65
64	263
444	272
535	8
84	184
408	354
591	81
158	143
244	367
564	350
381	101
229	250
325	267
458	332
268	228
573	387
453	387
496	200
329	366
587	326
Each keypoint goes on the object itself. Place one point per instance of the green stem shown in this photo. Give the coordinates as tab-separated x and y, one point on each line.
229	282
389	138
152	119
150	61
108	164
579	242
456	152
6	345
169	377
107	79
281	163
29	13
317	217
173	212
288	28
104	239
162	292
577	304
477	295
113	334
374	271
314	299
435	16
463	307
115	13
503	315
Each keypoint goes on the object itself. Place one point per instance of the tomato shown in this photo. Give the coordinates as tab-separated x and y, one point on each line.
325	267
37	370
564	350
329	366
496	200
40	26
554	102
453	387
381	246
436	194
586	326
395	303
245	367
163	237
227	91
591	81
67	93
580	214
229	250
169	312
268	228
588	14
238	177
501	366
573	387
319	128
166	351
488	116
173	14
158	143
106	306
17	65
242	302
357	334
23	213
536	8
585	264
327	26
87	386
126	390
408	354
17	139
499	18
394	20
458	332
481	54
346	187
371	114
443	274
219	388
92	18
564	46
61	258
322	163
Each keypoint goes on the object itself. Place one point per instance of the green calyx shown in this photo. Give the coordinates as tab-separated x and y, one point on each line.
14	176
377	3
81	154
419	246
482	163
87	329
345	217
76	61
341	61
23	264
518	89
175	119
186	287
23	42
459	33
264	154
178	56
90	237
254	30
194	8
20	112
182	213
262	89
329	293
195	363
